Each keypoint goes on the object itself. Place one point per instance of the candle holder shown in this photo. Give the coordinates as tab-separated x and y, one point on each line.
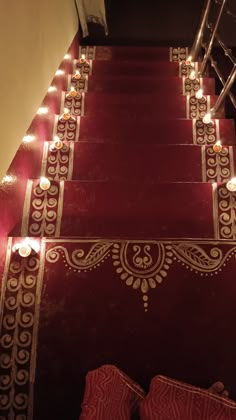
231	185
217	147
25	247
66	114
77	75
83	59
207	119
56	145
199	94
192	75
44	183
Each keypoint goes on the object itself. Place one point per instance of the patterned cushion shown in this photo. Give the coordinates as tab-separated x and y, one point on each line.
169	399
110	395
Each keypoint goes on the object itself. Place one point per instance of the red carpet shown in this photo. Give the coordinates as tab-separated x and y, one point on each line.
136	233
96	161
118	129
131	84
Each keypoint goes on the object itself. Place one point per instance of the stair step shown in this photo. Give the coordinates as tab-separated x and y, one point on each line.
165	105
135	68
146	129
115	209
127	53
123	162
137	84
124	67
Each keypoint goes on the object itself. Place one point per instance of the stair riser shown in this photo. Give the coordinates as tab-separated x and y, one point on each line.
117	129
133	84
120	162
109	209
124	68
164	106
126	53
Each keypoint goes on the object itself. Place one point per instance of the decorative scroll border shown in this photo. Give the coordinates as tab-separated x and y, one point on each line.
89	51
58	164
217	167
186	68
178	54
204	134
224	211
197	108
84	68
79	84
19	320
42	212
190	87
142	265
75	105
66	130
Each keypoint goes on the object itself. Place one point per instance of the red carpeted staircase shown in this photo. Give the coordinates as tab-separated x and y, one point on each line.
132	246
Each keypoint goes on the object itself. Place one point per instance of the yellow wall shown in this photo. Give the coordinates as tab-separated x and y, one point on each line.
35	35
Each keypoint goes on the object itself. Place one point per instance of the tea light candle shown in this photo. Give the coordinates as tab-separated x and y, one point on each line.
217	147
231	184
44	183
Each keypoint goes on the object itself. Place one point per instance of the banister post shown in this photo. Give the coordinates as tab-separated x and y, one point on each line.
199	36
225	91
212	38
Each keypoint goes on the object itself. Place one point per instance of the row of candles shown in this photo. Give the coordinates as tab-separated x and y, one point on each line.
58	144
29	245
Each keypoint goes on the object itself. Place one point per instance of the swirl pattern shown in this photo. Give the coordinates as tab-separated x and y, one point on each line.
18	330
89	52
67	130
190	87
178	54
216	167
42	217
197	108
185	68
142	265
59	163
225	213
79	84
75	104
85	67
205	134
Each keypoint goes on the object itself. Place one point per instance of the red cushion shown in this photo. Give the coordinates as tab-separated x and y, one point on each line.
169	399
110	395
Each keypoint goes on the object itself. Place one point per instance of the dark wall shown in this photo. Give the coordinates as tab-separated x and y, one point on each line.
155	22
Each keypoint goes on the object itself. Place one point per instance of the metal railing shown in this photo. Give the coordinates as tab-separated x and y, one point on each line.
210	29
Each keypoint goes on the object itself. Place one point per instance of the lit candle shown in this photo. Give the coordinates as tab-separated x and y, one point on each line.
77	75
28	138
192	75
207	119
199	94
231	184
52	89
44	183
82	60
66	114
58	144
189	59
26	246
24	250
43	110
73	92
59	72
217	147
